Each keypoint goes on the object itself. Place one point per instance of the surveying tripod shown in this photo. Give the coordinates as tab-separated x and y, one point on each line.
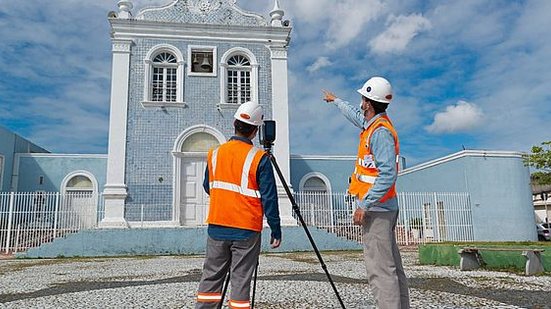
267	138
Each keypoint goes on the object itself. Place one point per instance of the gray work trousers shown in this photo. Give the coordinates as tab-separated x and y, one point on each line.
385	273
240	257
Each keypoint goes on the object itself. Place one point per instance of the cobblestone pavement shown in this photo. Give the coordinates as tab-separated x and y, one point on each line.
292	280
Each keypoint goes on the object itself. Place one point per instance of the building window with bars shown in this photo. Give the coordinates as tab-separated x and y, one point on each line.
163	87
238	78
164	77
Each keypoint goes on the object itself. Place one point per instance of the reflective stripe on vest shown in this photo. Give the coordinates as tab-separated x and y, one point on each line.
209	297
239	304
244	188
366	179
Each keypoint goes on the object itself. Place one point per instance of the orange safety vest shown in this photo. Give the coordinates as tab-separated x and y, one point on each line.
365	171
234	196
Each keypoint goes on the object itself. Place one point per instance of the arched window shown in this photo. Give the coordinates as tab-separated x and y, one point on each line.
315	184
238	77
163	82
80	185
239	80
200	142
164	77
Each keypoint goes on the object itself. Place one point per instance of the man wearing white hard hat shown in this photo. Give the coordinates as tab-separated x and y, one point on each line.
373	184
240	181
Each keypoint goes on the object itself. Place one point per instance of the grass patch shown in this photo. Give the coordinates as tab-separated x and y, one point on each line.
508	261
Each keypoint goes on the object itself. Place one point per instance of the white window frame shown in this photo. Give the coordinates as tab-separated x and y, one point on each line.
319	175
224	76
148	77
202	48
2	159
73	174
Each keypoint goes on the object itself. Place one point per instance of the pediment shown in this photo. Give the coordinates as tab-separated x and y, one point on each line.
216	12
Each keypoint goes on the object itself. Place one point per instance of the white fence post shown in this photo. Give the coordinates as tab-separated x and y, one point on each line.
10	218
332	213
436	220
402	196
17	238
56	213
141	214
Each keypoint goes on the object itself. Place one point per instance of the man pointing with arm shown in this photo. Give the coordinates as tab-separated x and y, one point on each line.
373	184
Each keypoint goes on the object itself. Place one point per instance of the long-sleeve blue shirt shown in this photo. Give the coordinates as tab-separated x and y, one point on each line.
382	146
268	196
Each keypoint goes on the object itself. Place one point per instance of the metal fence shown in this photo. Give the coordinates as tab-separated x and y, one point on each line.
30	219
423	217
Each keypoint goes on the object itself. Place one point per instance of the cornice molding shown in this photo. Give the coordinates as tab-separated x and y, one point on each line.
61	155
322	157
462	154
125	29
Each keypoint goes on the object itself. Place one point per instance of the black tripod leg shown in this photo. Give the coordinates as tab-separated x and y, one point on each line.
296	209
224	290
254	284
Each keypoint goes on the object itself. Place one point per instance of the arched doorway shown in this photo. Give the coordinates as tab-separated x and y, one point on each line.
317	201
79	207
190	155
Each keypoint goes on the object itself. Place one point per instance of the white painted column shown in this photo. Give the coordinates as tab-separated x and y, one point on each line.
115	191
280	113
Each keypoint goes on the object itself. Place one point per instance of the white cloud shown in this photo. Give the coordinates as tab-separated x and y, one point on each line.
399	34
463	116
340	22
320	63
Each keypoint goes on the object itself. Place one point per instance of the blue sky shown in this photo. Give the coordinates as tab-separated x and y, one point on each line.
473	74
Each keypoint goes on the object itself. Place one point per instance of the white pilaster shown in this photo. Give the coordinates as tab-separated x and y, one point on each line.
280	113
115	191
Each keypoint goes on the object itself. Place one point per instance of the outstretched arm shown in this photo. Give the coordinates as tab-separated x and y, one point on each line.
353	113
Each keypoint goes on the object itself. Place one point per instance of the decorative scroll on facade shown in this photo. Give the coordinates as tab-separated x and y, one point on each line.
222	12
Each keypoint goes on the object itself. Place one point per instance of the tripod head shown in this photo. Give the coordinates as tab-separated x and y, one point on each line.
267	135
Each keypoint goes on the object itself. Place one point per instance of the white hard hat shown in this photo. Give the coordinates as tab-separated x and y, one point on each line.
250	112
377	89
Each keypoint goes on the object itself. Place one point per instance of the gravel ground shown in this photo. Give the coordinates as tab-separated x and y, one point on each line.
292	280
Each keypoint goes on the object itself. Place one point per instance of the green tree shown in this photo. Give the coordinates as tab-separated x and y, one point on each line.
540	158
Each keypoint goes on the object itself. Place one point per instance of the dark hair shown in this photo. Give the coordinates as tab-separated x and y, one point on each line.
377	106
242	128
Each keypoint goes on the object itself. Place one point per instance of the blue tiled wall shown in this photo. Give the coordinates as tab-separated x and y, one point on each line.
152	131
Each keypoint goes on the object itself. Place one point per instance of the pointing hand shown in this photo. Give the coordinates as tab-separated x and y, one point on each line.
328	96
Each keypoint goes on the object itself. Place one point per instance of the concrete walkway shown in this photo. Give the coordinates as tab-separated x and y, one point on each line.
293	280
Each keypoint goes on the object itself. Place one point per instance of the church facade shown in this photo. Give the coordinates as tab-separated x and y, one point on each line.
179	73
